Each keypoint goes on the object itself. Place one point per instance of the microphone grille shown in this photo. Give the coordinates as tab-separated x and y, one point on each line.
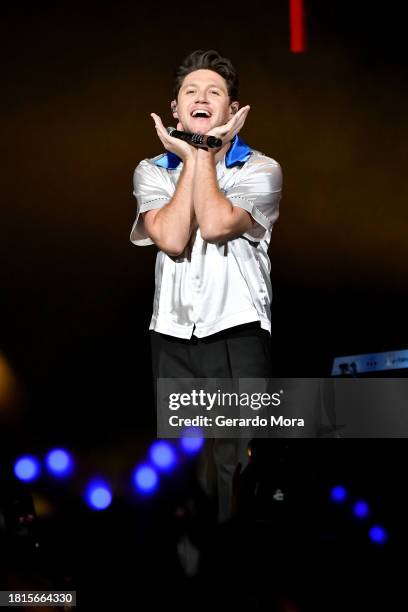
170	130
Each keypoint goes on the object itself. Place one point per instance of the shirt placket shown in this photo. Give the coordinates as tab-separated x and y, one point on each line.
195	266
196	263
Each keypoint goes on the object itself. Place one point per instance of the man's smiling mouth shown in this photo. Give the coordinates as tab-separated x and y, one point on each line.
200	114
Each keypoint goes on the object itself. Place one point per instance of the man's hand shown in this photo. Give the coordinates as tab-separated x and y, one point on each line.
175	145
229	130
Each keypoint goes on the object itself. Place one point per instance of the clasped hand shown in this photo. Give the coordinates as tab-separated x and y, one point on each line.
184	150
227	131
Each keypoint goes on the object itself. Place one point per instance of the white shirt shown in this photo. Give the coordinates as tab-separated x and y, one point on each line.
211	287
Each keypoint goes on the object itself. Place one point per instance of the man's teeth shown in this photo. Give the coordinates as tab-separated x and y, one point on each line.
205	113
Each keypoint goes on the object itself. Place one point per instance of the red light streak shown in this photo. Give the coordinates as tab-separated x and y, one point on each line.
297	26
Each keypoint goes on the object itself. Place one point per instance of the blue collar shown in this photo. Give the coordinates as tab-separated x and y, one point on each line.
237	155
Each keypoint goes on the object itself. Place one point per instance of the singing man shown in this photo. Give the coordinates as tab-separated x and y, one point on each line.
210	212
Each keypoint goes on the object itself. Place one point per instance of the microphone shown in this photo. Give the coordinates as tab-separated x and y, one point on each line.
197	140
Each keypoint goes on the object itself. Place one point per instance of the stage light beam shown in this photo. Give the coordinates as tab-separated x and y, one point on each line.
192	440
27	468
338	494
98	495
361	509
162	455
297	26
378	535
145	479
59	462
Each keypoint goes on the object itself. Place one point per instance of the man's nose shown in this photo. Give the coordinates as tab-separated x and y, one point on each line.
201	97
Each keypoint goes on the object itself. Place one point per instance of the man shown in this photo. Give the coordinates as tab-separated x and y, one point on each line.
210	213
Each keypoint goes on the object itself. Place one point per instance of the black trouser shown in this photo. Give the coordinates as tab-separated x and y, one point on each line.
243	351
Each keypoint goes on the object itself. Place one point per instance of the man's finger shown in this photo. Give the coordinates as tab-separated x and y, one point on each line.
241	120
242	114
163	133
157	120
246	108
237	120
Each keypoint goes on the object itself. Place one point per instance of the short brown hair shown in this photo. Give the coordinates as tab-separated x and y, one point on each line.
207	60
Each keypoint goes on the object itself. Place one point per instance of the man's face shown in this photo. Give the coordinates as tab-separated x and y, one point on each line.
203	90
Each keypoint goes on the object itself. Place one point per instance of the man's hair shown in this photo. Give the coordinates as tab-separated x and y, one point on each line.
207	60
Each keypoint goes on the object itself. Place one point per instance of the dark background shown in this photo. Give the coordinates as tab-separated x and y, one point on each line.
78	83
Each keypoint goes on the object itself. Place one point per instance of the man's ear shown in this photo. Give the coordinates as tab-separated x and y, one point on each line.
234	107
173	106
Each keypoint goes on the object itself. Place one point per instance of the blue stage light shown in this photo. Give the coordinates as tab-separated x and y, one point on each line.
192	440
98	495
27	468
162	455
59	462
145	479
378	534
360	509
338	494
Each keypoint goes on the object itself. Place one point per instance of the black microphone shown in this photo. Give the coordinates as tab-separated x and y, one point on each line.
197	140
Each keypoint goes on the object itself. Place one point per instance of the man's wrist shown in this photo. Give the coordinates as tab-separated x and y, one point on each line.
206	151
206	156
190	158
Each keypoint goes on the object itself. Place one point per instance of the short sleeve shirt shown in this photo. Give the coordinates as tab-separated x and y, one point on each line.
213	286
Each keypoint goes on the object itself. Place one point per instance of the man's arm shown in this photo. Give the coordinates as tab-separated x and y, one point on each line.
219	220
171	226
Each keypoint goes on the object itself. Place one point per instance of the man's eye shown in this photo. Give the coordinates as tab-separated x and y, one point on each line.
216	92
